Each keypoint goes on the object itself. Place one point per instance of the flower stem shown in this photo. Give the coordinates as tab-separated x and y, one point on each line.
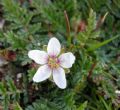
67	24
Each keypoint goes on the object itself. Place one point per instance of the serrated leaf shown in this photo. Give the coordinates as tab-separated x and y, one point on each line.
15	41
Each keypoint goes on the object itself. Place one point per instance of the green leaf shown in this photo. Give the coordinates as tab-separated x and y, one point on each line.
83	106
98	45
12	87
91	22
42	104
108	107
2	88
17	107
15	41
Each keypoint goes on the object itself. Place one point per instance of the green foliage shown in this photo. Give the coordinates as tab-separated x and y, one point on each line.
83	106
98	45
16	42
89	35
5	96
42	105
16	14
17	107
9	93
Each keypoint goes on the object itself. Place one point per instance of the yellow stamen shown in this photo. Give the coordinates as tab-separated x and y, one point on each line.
53	63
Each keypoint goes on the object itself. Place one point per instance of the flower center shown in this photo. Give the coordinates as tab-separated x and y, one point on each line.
53	62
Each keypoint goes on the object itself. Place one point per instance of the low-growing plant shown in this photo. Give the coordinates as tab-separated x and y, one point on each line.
88	29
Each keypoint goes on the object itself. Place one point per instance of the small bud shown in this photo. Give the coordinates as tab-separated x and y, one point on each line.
81	27
67	70
38	43
45	47
117	92
19	75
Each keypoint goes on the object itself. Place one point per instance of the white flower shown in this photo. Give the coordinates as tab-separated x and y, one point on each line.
52	63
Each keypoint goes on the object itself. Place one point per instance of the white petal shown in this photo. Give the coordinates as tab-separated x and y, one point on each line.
38	56
54	47
67	60
59	78
42	74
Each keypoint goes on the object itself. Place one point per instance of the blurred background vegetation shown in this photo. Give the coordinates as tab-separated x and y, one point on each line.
88	28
